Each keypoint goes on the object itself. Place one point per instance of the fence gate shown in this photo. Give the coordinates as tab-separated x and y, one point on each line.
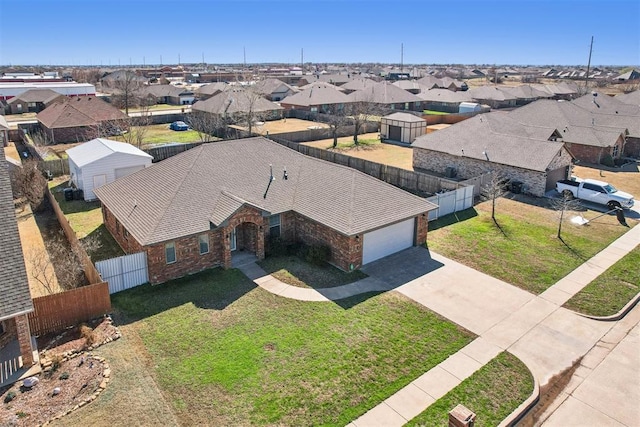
124	272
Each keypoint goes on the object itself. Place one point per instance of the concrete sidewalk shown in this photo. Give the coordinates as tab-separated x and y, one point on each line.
536	329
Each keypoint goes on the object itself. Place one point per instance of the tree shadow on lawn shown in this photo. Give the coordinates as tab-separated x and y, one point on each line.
452	218
213	289
109	248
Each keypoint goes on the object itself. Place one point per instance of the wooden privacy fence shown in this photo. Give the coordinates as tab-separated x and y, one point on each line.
415	182
53	313
90	271
124	272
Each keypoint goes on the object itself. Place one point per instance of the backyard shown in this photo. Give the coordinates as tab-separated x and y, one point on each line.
524	250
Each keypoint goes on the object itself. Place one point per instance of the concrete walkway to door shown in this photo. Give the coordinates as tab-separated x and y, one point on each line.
536	329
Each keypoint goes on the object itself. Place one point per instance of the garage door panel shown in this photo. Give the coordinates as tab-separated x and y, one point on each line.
388	240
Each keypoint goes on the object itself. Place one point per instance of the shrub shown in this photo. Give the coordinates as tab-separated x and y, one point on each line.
10	396
275	246
56	361
619	161
318	254
64	376
87	333
607	160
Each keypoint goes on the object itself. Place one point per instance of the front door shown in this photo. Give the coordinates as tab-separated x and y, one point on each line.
233	239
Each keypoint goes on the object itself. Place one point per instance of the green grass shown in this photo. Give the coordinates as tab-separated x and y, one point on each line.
158	134
434	113
297	272
526	253
492	393
610	291
227	353
85	218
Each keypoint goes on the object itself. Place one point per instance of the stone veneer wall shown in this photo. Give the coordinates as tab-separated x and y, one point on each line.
535	182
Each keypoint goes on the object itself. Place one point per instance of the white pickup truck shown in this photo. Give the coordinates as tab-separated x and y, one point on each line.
591	190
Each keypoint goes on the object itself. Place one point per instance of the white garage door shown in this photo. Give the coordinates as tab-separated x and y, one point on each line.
388	240
127	171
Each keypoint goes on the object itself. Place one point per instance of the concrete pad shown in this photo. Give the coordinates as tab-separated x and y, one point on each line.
595	356
481	350
574	413
410	401
556	296
569	285
554	344
613	388
460	365
437	382
381	415
519	323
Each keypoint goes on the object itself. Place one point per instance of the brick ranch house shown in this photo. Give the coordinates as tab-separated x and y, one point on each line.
195	210
15	298
492	143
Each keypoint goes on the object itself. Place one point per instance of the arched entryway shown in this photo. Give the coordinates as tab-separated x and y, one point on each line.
246	243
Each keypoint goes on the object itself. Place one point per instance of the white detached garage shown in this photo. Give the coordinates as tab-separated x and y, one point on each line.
101	161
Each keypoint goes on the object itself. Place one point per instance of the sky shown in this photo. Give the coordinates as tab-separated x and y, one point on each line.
518	32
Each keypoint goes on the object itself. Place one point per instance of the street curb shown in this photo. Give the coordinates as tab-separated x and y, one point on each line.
521	411
619	315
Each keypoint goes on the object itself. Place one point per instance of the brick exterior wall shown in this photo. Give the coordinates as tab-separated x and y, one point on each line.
632	148
24	339
10	333
535	182
422	226
65	135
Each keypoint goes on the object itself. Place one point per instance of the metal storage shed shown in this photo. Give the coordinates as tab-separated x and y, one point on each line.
402	127
101	161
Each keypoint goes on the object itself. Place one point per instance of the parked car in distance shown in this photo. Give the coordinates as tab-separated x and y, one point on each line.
592	190
179	125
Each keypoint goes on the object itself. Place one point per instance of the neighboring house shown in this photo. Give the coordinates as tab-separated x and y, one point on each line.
318	98
33	101
432	82
590	130
207	91
321	84
492	143
525	94
386	95
561	91
101	161
358	83
334	79
15	298
411	86
119	77
235	195
169	94
235	103
629	75
492	96
402	127
443	100
4	131
274	89
78	119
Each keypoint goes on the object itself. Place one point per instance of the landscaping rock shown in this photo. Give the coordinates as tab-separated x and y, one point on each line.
30	382
56	391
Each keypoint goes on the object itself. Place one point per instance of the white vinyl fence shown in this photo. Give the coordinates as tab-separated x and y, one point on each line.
124	272
451	201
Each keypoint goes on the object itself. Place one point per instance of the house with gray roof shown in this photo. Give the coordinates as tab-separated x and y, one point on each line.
15	297
207	91
274	89
386	95
169	94
198	209
33	101
236	104
631	98
493	143
493	96
444	100
317	98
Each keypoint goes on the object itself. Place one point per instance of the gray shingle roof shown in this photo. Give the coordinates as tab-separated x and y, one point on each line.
632	98
445	95
404	117
181	195
36	95
476	138
383	93
235	101
317	94
490	92
15	297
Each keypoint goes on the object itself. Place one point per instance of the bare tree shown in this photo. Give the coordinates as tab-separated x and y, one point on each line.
30	184
362	112
335	121
206	124
248	116
137	127
493	190
562	205
128	86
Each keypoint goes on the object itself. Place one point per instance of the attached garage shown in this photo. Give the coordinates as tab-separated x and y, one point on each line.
388	240
101	161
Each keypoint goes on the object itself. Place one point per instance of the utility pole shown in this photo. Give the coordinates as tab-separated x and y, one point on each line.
586	80
302	58
178	59
244	57
402	57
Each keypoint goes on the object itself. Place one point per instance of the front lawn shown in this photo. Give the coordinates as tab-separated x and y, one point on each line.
610	291
492	393
296	272
526	253
225	352
160	134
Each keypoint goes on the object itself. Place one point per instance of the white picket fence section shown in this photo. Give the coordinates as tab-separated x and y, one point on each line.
451	201
124	272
